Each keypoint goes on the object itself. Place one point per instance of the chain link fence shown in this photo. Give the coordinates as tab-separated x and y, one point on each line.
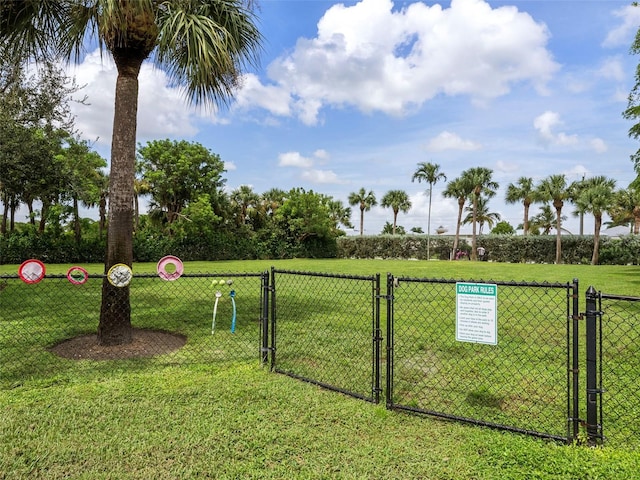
520	383
619	373
42	324
324	330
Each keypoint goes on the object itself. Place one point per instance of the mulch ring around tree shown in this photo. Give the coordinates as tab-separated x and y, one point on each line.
146	343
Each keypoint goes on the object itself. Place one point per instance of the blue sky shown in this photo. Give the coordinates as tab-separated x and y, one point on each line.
356	94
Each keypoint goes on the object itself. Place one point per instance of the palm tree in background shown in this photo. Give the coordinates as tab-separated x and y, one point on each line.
272	199
522	191
544	221
339	214
364	200
483	215
595	197
431	174
244	199
203	45
459	189
575	190
398	201
554	189
479	178
625	209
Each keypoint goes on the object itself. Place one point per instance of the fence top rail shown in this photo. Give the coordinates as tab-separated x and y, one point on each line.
327	275
14	276
495	282
610	296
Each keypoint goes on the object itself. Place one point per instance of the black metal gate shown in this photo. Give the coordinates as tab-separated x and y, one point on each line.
524	382
613	368
325	329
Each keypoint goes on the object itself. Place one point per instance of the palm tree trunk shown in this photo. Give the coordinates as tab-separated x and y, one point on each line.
474	255
361	220
526	219
3	225
76	221
596	240
115	312
457	237
44	211
429	224
558	235
395	217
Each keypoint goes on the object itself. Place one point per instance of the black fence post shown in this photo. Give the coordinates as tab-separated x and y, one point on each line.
264	340
377	338
575	366
389	393
273	318
594	428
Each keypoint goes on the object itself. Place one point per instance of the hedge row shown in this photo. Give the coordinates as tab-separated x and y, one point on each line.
498	248
16	248
150	247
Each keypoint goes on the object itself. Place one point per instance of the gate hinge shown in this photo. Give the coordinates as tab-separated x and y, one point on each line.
385	297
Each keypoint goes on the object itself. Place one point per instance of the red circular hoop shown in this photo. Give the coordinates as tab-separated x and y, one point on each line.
78	272
31	271
170	260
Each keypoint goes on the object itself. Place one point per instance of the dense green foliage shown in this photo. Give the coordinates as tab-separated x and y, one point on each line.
499	248
272	243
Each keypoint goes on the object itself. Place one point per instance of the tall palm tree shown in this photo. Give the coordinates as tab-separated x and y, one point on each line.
483	215
203	45
398	201
365	200
575	190
596	197
554	189
459	189
479	178
522	191
431	174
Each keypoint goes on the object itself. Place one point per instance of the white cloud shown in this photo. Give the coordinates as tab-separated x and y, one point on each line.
451	141
598	145
545	125
230	166
623	33
612	69
380	59
320	176
294	159
321	154
506	167
270	97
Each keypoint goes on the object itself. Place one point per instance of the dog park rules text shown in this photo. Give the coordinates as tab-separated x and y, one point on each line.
477	313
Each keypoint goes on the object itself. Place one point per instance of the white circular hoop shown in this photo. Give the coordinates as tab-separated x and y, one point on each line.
162	268
31	271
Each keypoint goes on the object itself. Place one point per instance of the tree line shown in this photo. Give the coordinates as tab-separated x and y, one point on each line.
218	41
43	161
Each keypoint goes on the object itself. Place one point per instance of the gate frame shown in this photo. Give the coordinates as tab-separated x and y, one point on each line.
571	352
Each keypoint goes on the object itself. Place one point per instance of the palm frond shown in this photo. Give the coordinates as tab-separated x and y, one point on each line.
205	45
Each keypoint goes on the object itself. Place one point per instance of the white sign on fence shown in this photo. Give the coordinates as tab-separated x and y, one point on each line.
477	313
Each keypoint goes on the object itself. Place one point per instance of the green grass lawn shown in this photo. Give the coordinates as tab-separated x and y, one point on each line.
235	419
